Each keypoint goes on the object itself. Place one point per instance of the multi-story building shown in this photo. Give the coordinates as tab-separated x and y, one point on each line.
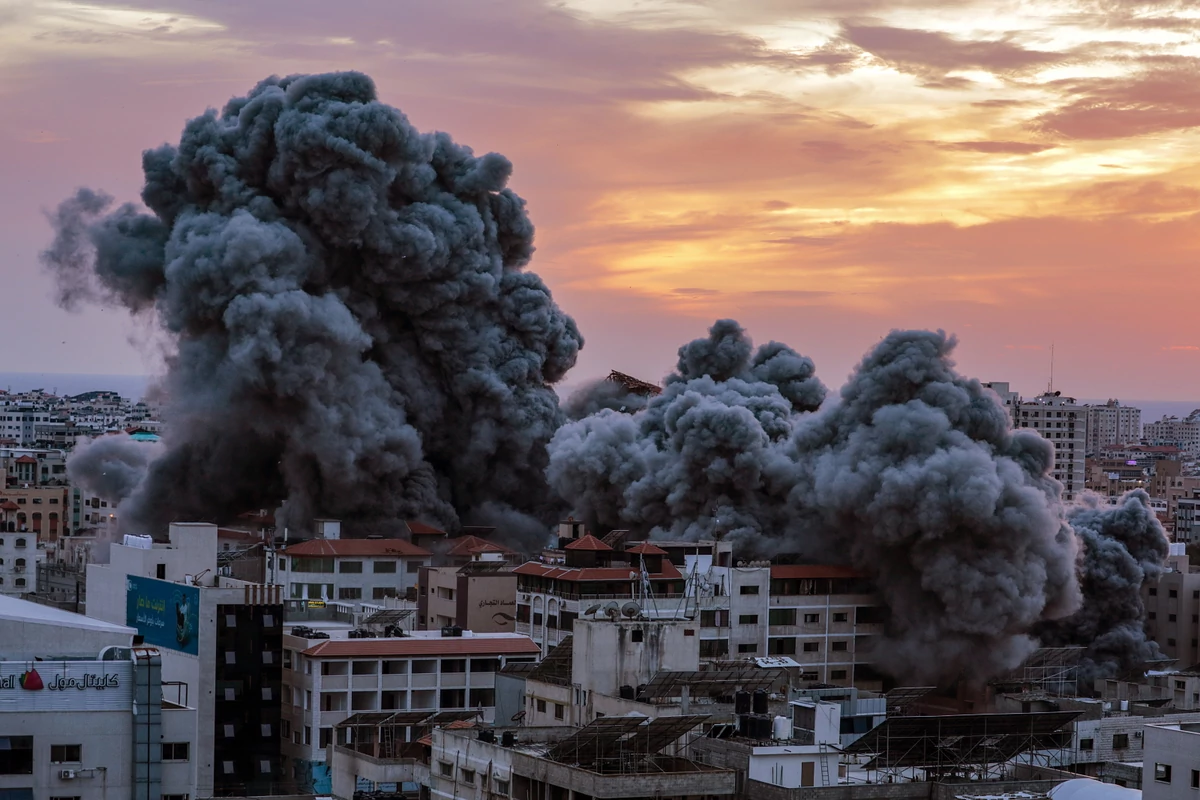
21	557
1171	763
326	682
1010	399
822	617
1173	608
471	586
71	724
221	645
1175	432
348	569
1063	422
1112	423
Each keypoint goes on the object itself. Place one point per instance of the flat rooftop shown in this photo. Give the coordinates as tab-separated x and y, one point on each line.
14	609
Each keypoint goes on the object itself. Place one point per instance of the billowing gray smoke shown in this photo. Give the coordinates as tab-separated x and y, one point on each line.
111	467
913	475
1123	546
355	332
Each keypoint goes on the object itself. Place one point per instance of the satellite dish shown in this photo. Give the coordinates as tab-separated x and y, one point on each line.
592	609
611	610
631	610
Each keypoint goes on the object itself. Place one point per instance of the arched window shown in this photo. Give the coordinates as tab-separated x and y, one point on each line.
20	564
53	522
37	522
19	543
19	583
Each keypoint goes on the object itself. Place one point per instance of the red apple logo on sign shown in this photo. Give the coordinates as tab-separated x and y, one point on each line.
32	681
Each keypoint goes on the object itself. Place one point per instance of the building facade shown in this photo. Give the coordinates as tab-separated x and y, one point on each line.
1062	422
1171	766
327	682
1175	432
1111	424
348	569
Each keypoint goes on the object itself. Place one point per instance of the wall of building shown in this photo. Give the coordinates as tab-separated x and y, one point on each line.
1177	748
630	652
487	603
106	740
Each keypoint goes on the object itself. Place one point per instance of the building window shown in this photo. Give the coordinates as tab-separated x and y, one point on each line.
326	735
837	675
468	776
635	635
227	767
558	710
1162	773
1120	741
160	571
1196	779
1172	593
1153	592
841	617
747	648
781	616
501	787
812	619
382	592
175	751
747	619
748	590
1087	744
838	646
66	753
349	593
541	706
446	769
16	755
812	647
412	567
384	567
350	566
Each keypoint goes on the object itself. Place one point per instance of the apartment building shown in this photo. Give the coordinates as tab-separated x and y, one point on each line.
1171	769
348	569
1062	422
822	617
1173	608
20	558
1112	423
326	682
1175	432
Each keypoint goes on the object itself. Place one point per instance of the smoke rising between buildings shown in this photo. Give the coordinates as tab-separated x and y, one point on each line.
357	336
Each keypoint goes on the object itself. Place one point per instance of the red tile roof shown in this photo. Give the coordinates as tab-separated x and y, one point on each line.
468	545
9	505
456	725
338	548
647	549
589	542
412	646
421	529
537	570
26	460
814	571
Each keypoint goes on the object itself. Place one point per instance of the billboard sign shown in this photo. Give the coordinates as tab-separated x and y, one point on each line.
66	686
165	614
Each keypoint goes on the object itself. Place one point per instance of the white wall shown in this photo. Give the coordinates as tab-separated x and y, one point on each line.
783	766
106	738
1177	745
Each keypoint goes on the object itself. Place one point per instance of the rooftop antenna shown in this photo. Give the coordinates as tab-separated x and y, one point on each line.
1050	386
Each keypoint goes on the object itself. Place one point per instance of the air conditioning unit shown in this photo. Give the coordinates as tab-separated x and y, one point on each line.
67	774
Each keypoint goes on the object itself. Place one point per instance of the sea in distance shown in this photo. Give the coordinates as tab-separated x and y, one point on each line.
134	387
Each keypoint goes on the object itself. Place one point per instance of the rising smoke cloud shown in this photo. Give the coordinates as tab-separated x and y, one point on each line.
1123	547
356	335
913	475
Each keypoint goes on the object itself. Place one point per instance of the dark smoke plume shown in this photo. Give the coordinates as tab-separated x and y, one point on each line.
356	335
913	476
1123	547
596	396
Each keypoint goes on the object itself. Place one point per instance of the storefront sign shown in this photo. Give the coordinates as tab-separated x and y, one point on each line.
66	685
165	614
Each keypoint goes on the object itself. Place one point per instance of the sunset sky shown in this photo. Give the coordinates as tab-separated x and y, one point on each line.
1018	173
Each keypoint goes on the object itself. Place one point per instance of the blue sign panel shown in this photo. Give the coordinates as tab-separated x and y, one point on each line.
165	614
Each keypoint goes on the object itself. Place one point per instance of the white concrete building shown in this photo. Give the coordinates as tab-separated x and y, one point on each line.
1171	766
1175	432
328	681
221	645
20	556
348	569
1112	423
71	724
1062	422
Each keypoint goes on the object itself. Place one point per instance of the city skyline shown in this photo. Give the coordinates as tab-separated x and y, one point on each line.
822	172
